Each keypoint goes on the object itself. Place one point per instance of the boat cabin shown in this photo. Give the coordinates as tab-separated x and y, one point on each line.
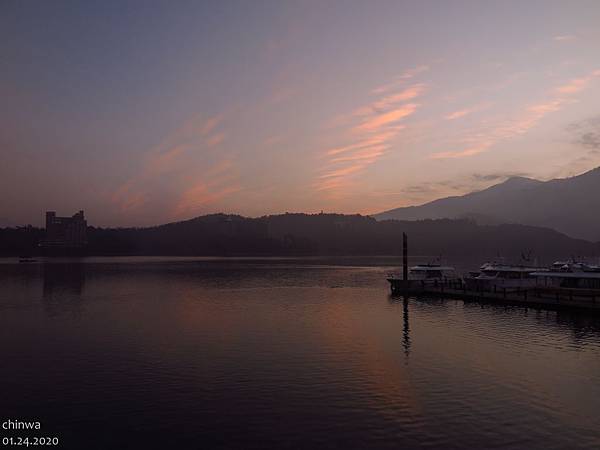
430	272
499	276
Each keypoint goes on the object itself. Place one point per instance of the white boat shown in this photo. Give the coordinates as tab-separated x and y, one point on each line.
569	274
498	276
573	266
428	272
571	280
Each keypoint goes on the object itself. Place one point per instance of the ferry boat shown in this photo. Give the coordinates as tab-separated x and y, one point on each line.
431	272
573	266
498	276
569	274
423	275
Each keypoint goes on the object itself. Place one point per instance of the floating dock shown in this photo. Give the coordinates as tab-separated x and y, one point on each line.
532	297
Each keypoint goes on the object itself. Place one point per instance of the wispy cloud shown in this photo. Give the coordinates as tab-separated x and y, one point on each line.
385	102
465	111
368	154
577	84
209	187
366	143
378	121
215	140
209	125
371	129
461	153
401	79
178	161
457	114
486	135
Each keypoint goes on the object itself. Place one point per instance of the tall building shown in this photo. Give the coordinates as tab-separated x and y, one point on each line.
65	232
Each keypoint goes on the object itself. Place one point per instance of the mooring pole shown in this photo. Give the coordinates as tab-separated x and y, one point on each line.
404	257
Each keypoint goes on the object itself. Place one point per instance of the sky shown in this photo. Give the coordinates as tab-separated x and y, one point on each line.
149	112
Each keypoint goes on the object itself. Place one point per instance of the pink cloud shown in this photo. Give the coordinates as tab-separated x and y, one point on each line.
369	154
208	187
378	123
457	114
176	156
381	120
343	171
577	84
210	124
198	196
466	111
387	102
372	140
461	153
215	139
399	80
487	136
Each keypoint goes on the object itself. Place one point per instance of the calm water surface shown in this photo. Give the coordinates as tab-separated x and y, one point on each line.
200	353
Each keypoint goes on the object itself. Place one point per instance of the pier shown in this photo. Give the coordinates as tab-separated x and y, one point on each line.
540	295
587	299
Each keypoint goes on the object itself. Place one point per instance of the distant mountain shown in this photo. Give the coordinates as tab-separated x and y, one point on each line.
316	234
569	205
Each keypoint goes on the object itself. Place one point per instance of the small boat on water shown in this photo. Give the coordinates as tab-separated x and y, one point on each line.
497	276
430	272
423	275
422	272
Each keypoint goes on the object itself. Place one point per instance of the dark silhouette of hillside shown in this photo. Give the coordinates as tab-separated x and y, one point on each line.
317	234
569	205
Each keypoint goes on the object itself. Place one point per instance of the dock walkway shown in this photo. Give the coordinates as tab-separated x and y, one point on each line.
534	297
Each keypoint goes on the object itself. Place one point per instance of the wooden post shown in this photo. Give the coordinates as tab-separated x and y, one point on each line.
405	257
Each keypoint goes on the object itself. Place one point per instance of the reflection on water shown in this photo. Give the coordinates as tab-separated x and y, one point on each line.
197	353
406	330
63	287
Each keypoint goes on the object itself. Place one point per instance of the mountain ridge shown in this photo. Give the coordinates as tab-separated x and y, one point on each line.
568	205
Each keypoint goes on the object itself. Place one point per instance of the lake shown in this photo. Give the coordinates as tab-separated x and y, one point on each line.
284	353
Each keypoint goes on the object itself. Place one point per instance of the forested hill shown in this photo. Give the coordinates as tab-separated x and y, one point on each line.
316	234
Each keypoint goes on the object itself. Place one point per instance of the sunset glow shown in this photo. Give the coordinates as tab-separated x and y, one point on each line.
153	114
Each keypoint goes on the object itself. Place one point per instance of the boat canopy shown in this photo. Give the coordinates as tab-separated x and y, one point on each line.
580	275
